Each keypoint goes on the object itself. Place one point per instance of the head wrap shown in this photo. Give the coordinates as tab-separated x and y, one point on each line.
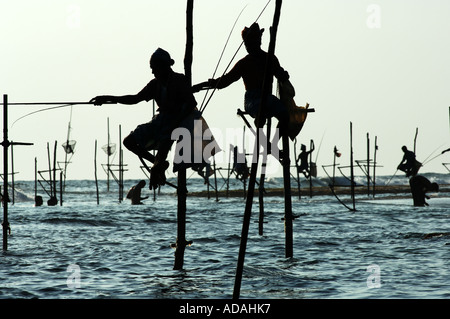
162	58
252	33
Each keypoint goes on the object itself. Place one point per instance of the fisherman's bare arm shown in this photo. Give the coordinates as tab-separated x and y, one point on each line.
124	99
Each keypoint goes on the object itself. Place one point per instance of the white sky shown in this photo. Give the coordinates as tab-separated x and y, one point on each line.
382	65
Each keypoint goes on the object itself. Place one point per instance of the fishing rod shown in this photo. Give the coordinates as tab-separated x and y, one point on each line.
392	177
320	145
203	107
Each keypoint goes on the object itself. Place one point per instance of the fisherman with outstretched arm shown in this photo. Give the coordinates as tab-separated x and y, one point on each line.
176	103
251	69
303	159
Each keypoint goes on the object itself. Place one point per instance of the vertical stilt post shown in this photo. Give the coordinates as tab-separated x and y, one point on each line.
251	187
368	165
261	193
35	179
374	164
61	188
287	197
54	173
12	174
229	171
311	144
334	165
297	170
245	161
352	177
95	171
107	157
415	139
120	166
182	191
49	170
215	179
5	143
181	220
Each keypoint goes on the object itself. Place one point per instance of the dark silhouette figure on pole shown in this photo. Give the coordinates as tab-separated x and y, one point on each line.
251	69
134	194
303	159
409	164
176	107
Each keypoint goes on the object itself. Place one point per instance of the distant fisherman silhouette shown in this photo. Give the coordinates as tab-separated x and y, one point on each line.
134	194
251	69
420	185
409	164
176	105
240	168
303	158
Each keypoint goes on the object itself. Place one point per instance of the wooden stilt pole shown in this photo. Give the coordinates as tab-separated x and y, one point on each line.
215	179
5	143
182	191
368	165
374	164
261	194
12	174
311	143
49	170
35	179
248	207
245	161
54	172
107	158
296	168
334	165
120	166
229	171
61	188
287	197
352	176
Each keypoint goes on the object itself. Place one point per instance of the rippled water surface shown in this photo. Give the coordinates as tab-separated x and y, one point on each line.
385	249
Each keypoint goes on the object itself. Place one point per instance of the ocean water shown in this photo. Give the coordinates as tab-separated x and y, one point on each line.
83	250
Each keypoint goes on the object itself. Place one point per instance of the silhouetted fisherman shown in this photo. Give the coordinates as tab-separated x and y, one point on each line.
134	194
420	185
303	158
176	107
251	69
240	168
409	164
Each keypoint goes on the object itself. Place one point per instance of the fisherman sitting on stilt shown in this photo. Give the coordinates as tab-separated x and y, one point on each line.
303	167
176	108
409	164
251	69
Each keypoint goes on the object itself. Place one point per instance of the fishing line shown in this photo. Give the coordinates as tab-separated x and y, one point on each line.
320	144
223	51
431	159
426	160
231	61
41	110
